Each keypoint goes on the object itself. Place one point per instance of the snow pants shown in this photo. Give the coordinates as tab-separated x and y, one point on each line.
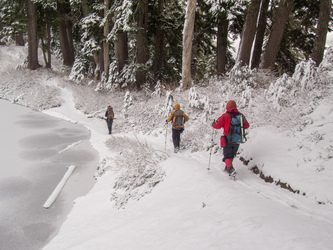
176	137
109	123
230	151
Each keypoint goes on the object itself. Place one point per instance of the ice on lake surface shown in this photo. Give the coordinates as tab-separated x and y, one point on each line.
36	150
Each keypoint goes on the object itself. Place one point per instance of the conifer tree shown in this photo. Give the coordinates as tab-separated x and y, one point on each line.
248	33
32	36
322	29
187	43
276	35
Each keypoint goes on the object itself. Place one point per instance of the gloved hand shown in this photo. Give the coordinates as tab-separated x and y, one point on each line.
166	121
214	122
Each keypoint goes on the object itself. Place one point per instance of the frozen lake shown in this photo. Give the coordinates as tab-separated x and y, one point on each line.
36	150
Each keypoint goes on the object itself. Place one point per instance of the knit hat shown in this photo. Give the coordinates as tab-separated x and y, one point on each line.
231	104
177	107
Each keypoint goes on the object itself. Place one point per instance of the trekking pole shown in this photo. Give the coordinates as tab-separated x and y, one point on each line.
166	133
242	127
211	148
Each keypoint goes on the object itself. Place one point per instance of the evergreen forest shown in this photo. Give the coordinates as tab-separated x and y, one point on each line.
137	43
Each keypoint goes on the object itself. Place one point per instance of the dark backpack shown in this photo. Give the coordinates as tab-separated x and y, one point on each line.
237	130
178	119
110	113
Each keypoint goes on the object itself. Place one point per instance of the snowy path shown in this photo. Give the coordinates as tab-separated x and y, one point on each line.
196	209
192	208
213	212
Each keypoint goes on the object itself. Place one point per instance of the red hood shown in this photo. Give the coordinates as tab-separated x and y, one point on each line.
233	111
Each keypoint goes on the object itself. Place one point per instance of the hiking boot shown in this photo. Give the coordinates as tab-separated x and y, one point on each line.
231	170
176	150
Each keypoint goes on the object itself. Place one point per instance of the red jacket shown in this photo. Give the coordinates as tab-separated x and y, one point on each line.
225	120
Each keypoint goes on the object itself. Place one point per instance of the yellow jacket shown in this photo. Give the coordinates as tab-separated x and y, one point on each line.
177	107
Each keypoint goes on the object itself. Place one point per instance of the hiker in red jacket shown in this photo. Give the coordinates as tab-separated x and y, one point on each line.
229	149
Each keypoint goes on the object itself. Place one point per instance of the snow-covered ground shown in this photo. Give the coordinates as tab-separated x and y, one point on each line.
147	197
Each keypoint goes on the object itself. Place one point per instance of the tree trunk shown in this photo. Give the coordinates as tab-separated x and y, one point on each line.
32	36
121	50
248	32
65	35
47	46
159	43
276	35
1	27
322	29
19	39
187	43
141	52
260	34
222	44
100	60
106	44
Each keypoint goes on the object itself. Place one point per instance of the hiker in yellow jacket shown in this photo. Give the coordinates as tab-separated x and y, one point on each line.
178	118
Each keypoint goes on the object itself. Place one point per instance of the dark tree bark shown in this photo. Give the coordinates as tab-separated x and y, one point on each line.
141	42
222	44
276	35
322	29
19	39
32	36
260	34
248	33
106	45
65	34
187	43
160	38
121	50
1	27
46	45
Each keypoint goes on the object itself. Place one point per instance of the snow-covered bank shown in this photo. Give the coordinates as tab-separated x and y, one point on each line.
149	198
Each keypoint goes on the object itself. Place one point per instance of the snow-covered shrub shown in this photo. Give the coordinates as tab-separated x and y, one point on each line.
128	75
242	76
327	63
203	104
301	87
193	99
80	69
306	75
127	100
138	169
103	83
168	104
158	90
112	82
241	82
280	91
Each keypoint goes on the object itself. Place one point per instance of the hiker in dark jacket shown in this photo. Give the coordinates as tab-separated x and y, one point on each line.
177	130
230	149
109	114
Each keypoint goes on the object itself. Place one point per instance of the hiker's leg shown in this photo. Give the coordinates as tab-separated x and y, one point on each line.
110	129
174	137
229	153
109	126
